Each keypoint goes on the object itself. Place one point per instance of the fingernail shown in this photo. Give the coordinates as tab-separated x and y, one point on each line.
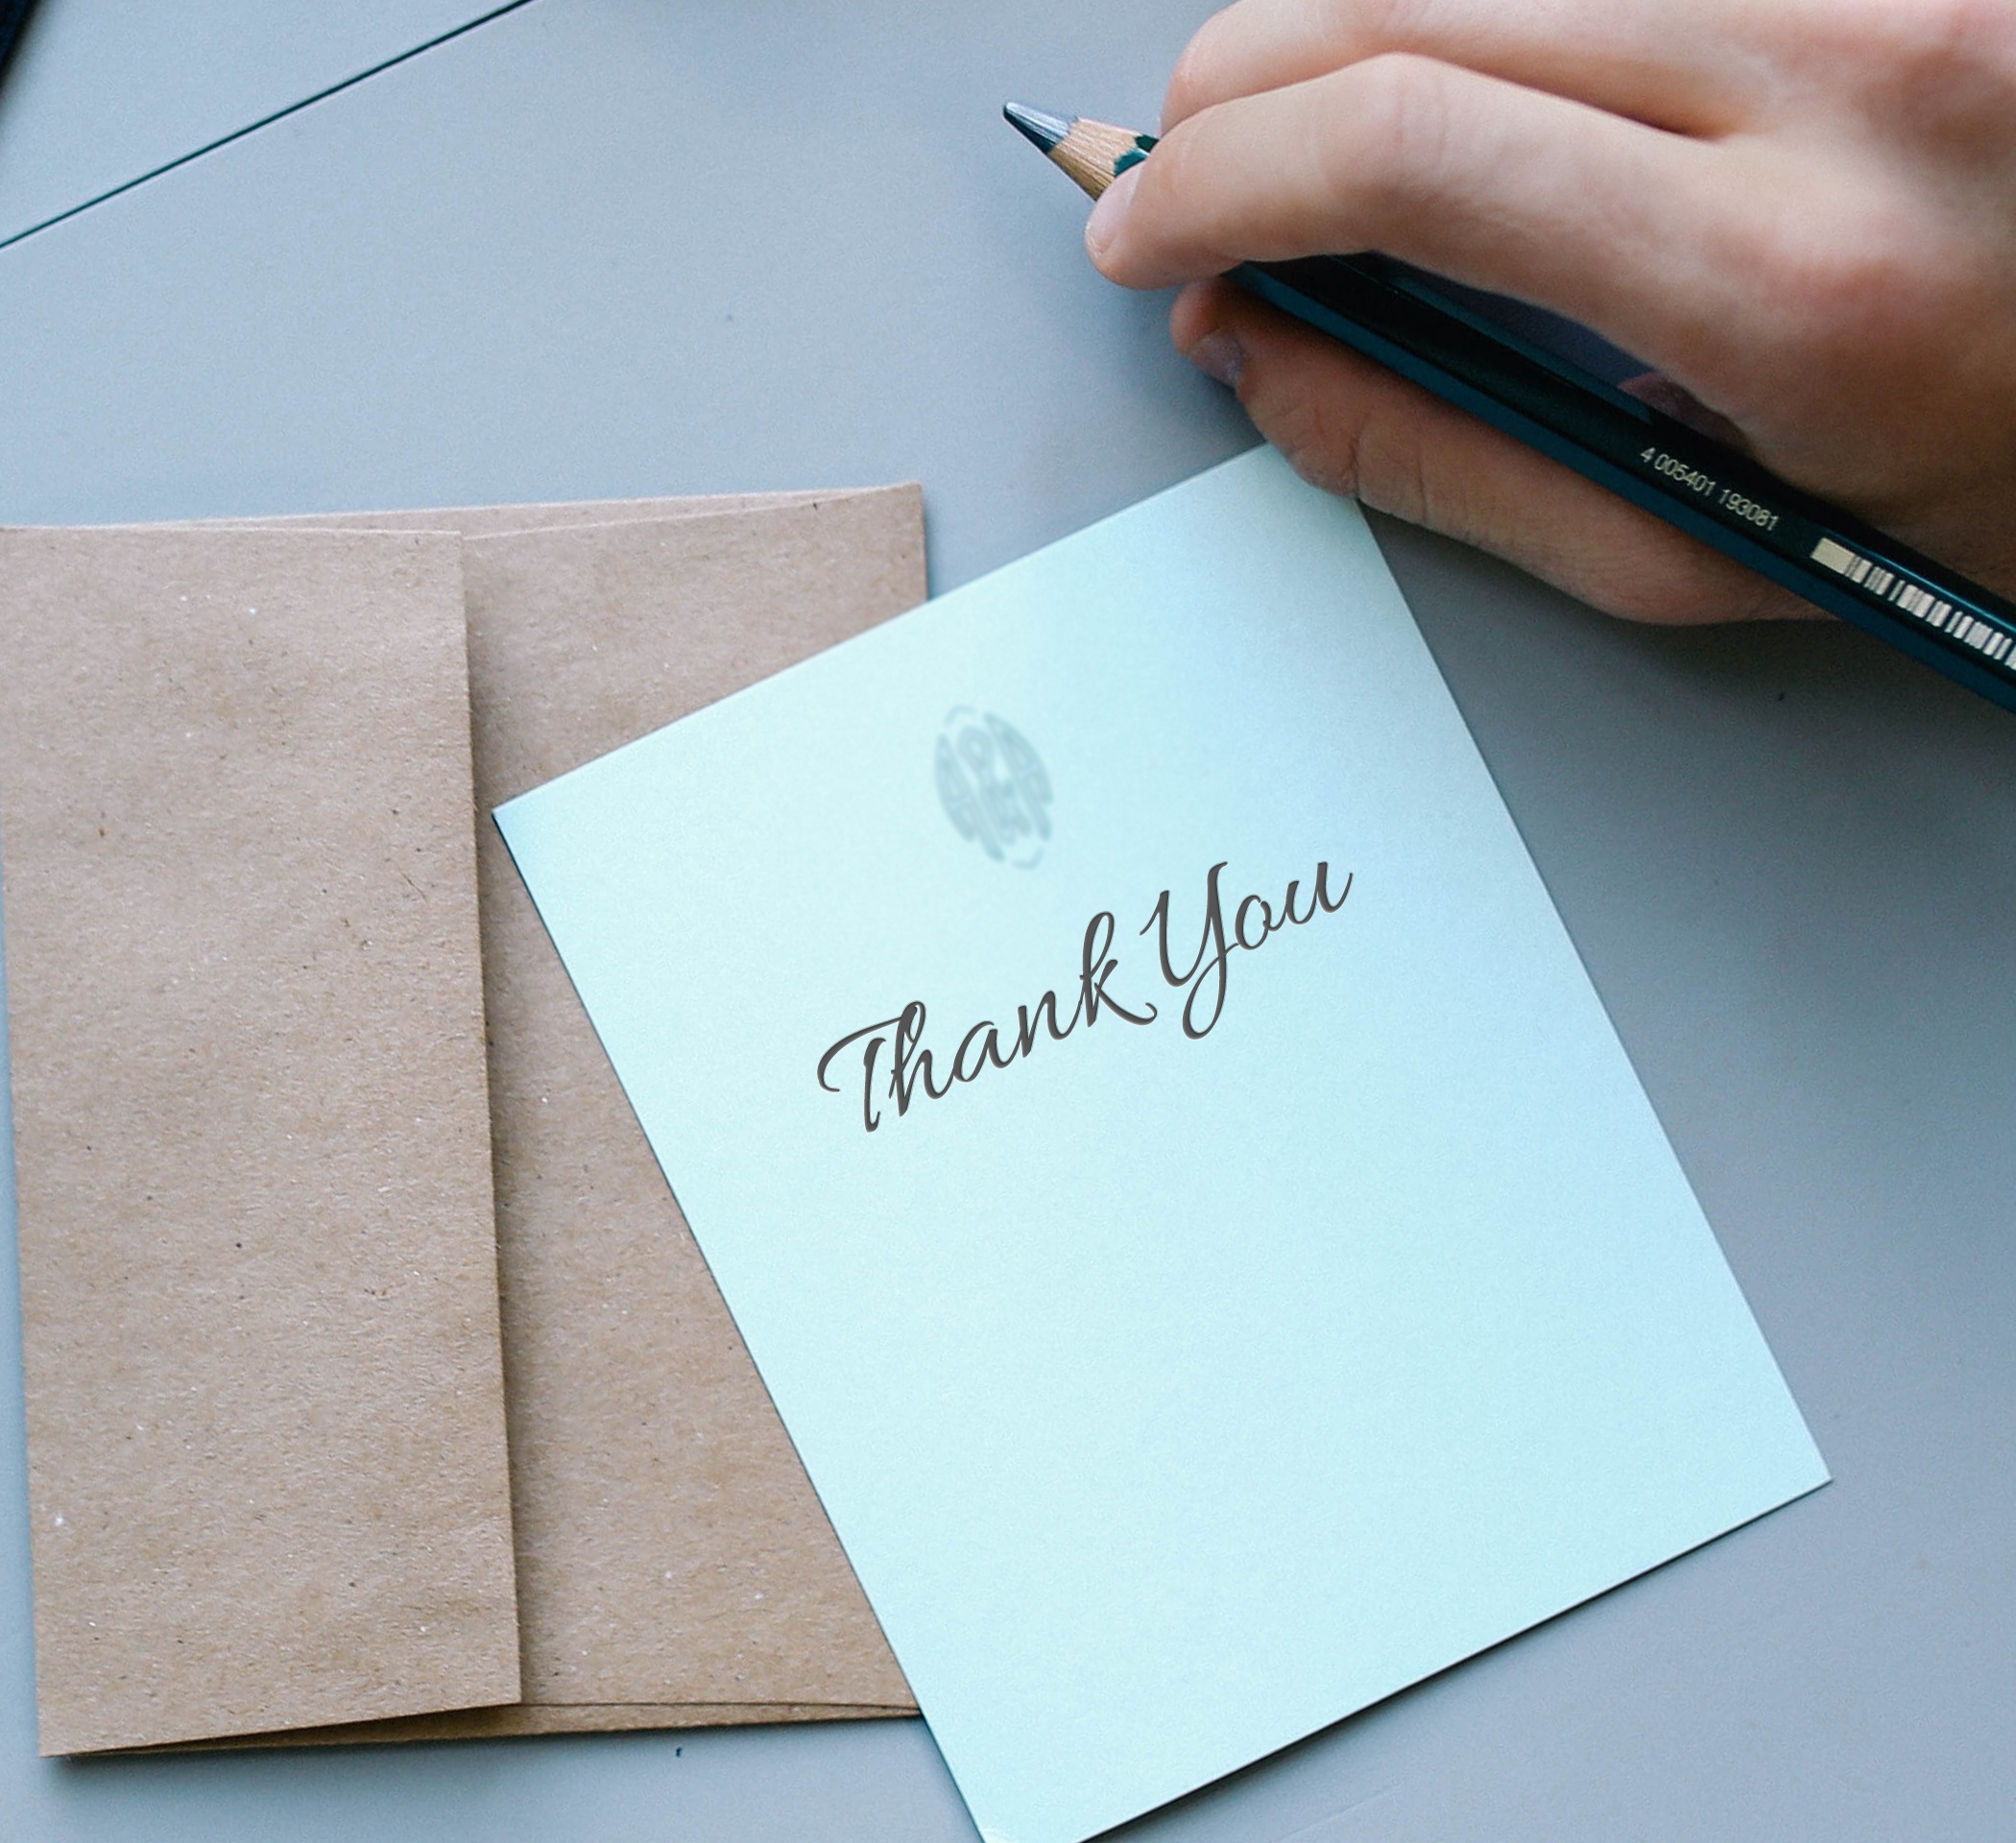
1221	356
1111	212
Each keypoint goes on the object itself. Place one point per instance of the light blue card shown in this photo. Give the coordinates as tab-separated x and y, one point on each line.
1202	1355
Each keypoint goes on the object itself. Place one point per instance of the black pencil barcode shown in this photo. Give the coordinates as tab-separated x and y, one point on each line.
1915	599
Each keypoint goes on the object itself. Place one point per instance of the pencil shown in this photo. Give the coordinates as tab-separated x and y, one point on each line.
1396	315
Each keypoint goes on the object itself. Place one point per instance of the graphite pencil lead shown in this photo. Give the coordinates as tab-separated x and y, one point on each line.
1044	131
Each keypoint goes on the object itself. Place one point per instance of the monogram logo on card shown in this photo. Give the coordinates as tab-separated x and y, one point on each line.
994	786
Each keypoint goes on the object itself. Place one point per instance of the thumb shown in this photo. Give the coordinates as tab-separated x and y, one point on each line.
1354	428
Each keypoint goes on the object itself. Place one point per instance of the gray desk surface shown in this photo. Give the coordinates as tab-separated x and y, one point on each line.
103	91
521	267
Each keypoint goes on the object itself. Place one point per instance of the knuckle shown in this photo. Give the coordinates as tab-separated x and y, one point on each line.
1828	287
1858	290
1396	148
1394	476
1933	61
1946	38
1320	438
1199	79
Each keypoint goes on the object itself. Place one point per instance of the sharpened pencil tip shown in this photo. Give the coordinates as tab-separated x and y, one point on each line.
1045	131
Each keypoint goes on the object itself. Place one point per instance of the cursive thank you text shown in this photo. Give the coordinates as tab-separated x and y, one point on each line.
898	1067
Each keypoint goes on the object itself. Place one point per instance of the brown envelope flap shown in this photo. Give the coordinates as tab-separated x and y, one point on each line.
268	1479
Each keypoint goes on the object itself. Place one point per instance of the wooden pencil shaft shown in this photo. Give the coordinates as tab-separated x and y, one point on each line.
1092	152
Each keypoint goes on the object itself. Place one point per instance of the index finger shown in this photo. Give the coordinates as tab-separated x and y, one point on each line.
1686	69
1647	237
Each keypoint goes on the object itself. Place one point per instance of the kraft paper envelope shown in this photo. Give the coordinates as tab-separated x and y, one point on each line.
675	1567
484	521
267	1463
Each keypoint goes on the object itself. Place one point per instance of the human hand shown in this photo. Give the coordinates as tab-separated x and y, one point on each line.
1802	212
